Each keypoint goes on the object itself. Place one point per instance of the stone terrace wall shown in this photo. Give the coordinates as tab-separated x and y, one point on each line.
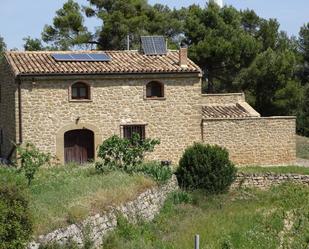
254	141
264	181
144	207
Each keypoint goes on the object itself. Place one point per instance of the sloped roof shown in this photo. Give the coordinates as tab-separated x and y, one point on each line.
225	111
42	63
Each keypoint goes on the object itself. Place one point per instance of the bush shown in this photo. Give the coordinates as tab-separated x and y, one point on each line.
31	160
15	220
206	167
124	154
156	171
180	197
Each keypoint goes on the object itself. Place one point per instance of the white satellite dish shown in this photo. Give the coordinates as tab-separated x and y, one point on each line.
218	2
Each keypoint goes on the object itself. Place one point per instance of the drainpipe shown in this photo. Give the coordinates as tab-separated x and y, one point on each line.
20	112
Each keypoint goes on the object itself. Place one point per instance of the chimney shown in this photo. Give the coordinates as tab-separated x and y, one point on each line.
183	57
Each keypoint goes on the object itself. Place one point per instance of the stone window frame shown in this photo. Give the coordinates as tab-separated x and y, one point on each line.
80	100
154	98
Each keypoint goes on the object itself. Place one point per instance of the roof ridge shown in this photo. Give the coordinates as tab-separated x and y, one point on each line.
80	51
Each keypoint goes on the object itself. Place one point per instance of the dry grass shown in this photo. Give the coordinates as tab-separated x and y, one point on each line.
62	195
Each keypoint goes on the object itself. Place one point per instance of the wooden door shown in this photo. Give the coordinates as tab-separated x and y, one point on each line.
79	146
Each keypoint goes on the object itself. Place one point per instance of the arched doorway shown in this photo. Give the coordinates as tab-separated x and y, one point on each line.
78	146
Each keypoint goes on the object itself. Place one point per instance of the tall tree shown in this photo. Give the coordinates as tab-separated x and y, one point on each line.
68	29
121	18
270	83
33	44
303	45
219	44
2	47
303	118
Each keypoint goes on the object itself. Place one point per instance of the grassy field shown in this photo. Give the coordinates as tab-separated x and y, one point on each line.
278	170
302	147
242	219
63	195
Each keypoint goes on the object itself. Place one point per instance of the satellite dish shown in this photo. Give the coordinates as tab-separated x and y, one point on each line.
218	2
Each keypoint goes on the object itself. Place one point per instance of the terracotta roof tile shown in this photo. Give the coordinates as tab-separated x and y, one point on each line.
42	62
225	111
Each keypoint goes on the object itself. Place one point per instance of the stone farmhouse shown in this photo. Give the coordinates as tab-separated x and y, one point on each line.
67	107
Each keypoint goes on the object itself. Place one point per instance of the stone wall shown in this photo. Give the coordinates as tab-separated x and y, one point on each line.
115	101
254	141
8	109
264	181
144	207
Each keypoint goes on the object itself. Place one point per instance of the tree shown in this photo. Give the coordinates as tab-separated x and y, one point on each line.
303	46
31	160
219	44
2	47
303	118
68	29
121	18
271	84
33	44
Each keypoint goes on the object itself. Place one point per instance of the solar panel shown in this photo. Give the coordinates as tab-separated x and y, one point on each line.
153	45
100	57
62	57
81	57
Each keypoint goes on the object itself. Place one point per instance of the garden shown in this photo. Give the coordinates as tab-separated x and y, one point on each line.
37	198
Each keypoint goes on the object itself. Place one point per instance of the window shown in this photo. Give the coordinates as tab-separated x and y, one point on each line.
80	91
129	130
154	89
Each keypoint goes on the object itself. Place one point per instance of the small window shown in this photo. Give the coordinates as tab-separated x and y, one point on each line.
154	89
129	130
80	91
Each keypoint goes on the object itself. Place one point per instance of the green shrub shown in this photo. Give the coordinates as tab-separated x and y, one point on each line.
124	154
15	219
31	160
156	171
180	197
206	167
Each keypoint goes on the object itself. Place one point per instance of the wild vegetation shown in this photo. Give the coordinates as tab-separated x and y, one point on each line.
15	218
278	170
246	218
63	195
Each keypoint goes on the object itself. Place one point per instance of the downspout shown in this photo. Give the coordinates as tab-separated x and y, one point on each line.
202	129
20	112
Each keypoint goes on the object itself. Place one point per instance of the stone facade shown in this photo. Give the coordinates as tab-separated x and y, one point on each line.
175	120
144	207
264	181
254	141
47	112
8	109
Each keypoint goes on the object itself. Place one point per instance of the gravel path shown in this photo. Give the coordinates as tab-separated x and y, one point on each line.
302	162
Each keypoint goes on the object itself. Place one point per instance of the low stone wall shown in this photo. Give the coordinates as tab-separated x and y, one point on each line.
264	181
254	141
144	207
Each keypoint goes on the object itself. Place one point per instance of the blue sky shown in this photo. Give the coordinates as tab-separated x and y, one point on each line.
22	18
